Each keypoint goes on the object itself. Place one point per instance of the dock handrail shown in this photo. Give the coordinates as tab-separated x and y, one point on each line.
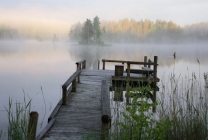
149	63
81	64
67	87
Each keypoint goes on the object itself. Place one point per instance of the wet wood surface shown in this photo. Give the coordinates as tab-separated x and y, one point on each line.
81	116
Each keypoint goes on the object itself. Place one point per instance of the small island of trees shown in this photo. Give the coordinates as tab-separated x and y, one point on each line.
90	32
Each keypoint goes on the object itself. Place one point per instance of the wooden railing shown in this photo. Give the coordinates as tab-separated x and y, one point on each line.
67	87
129	63
80	65
145	70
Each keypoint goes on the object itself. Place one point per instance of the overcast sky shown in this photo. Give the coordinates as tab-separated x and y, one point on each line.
179	11
52	14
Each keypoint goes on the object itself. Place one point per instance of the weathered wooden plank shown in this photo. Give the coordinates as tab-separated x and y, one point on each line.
130	62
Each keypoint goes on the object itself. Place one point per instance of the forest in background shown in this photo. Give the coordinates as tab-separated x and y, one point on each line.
145	31
124	31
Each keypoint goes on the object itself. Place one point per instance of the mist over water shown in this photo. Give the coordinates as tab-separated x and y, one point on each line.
30	65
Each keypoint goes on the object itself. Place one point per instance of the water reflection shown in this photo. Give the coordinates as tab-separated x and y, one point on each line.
136	52
28	66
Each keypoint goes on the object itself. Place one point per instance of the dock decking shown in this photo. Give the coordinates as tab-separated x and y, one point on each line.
81	115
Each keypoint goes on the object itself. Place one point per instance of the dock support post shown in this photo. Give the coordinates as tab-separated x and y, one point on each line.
155	83
105	110
78	68
83	64
32	126
74	85
64	91
145	60
149	62
98	64
128	70
103	65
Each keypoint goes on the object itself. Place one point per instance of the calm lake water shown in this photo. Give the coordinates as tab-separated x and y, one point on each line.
28	66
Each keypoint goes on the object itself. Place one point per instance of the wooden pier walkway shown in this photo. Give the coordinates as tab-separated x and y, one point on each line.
81	116
85	105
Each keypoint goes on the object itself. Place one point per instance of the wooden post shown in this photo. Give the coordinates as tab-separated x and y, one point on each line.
127	84
32	126
128	69
78	75
74	85
145	60
64	91
84	64
103	65
155	82
98	64
149	62
105	110
77	66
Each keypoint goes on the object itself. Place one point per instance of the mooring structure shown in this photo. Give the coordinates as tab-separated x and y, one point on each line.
84	108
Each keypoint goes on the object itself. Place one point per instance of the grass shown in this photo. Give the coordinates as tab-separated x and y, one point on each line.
18	116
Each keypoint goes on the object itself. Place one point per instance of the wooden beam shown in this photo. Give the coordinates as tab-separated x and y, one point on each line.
68	82
149	61
154	83
128	70
32	126
64	92
103	65
131	62
145	60
105	103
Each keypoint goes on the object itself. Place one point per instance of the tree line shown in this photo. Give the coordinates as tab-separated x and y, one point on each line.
143	31
8	33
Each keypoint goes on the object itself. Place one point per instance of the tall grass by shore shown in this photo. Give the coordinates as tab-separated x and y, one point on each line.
18	116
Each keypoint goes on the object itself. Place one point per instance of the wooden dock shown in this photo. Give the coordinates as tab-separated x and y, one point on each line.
85	105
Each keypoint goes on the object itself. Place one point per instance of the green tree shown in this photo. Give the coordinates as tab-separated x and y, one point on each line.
97	32
87	32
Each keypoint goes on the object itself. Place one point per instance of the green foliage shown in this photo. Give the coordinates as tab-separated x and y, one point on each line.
139	122
87	32
97	32
18	117
90	33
